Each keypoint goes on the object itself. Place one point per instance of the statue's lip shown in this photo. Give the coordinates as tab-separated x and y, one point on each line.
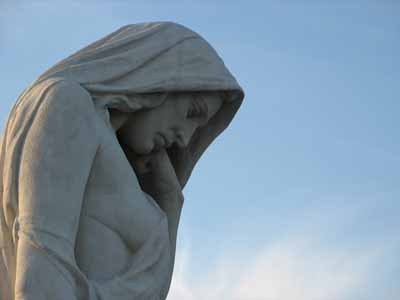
159	141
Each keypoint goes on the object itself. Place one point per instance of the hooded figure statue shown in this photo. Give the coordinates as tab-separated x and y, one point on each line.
76	221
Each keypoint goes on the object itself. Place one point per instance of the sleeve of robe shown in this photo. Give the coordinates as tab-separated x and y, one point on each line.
56	160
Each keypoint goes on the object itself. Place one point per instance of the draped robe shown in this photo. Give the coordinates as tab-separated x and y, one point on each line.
74	221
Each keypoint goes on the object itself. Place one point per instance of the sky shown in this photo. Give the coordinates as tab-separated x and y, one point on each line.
299	198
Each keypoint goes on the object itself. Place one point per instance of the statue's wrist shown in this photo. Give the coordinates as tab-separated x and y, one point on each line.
174	196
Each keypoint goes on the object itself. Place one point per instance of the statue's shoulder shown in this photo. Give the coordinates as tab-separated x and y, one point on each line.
60	101
65	95
64	89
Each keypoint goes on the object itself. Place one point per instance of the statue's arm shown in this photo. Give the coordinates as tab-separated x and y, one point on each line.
58	154
55	164
171	204
159	183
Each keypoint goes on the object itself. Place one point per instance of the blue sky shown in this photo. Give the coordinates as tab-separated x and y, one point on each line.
299	197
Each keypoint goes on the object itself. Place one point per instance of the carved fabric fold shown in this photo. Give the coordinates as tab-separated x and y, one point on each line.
127	70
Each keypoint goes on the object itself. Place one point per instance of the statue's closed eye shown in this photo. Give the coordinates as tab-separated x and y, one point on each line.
198	109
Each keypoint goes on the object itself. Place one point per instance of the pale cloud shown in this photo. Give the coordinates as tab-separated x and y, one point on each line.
303	265
293	269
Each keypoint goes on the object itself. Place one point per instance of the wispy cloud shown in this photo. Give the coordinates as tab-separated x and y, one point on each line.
301	266
287	270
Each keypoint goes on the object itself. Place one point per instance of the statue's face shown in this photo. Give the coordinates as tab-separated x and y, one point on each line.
174	121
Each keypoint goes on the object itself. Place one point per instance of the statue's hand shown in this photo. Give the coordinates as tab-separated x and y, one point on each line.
183	161
155	172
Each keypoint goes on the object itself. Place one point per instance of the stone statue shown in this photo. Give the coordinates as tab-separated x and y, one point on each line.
94	157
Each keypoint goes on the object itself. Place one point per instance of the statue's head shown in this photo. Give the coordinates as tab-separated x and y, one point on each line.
162	76
172	123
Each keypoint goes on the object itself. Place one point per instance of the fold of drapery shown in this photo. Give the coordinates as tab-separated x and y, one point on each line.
125	70
51	235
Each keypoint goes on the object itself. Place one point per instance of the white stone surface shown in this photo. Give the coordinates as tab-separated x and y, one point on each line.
91	195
